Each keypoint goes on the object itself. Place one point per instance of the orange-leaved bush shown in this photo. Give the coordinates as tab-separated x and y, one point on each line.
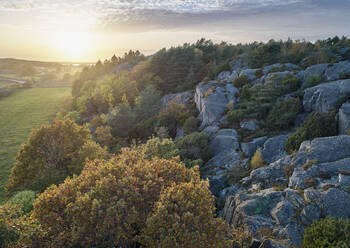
109	203
52	153
184	217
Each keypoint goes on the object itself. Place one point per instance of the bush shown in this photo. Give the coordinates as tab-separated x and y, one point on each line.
316	125
52	153
157	148
283	114
292	82
184	217
312	81
328	232
235	115
257	160
194	146
191	125
109	204
240	81
25	199
121	120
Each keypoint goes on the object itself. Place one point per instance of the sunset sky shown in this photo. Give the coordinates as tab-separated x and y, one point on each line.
88	30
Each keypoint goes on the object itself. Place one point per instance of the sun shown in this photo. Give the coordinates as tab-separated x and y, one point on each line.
73	45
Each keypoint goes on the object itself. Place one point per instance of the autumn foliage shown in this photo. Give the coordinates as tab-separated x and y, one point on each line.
51	153
120	202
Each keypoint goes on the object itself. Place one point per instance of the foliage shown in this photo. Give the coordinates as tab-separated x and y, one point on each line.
292	82
158	148
235	115
283	114
328	232
191	125
316	125
109	202
312	81
105	138
194	147
52	151
19	113
240	81
148	103
121	120
18	230
257	160
185	217
25	198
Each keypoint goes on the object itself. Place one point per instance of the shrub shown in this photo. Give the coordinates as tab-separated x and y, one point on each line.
283	114
25	199
292	82
109	203
316	125
194	146
259	73
191	125
312	81
185	217
52	153
257	160
121	120
240	81
235	115
328	232
157	148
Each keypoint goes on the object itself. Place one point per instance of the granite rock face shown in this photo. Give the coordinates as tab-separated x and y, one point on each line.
182	98
227	76
325	97
273	148
344	118
338	70
312	184
211	100
313	70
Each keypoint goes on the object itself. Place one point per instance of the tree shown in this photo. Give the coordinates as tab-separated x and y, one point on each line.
184	217
51	153
121	120
108	204
191	125
148	103
328	232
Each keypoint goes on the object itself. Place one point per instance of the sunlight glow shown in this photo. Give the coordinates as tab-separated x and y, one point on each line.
74	45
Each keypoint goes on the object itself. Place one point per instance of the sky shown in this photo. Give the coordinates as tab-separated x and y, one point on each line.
88	30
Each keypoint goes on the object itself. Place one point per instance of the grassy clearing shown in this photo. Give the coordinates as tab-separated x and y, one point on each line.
19	113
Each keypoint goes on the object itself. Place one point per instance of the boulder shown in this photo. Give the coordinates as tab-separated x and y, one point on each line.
251	125
182	98
338	70
337	203
227	76
225	139
326	96
211	130
344	118
250	73
211	100
250	148
273	148
311	71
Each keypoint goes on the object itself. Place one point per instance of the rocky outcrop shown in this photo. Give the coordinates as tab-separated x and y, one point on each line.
280	200
338	71
344	118
250	148
211	100
182	98
227	76
311	71
274	148
281	67
326	96
251	125
225	139
249	73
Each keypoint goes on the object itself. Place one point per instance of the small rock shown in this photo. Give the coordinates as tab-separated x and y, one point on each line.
274	148
225	139
338	70
250	148
227	76
344	118
251	125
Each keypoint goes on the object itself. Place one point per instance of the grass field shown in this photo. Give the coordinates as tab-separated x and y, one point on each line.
19	113
4	84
